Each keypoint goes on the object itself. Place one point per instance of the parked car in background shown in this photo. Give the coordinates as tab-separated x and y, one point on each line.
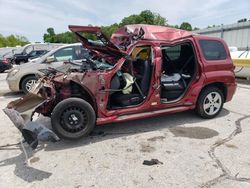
25	57
22	54
142	71
7	50
4	64
23	77
241	60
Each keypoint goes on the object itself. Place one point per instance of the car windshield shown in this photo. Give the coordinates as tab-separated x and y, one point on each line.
43	57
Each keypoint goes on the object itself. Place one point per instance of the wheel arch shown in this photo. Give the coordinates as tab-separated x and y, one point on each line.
219	85
84	93
21	80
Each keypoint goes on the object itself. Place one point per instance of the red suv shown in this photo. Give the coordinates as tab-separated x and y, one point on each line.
142	71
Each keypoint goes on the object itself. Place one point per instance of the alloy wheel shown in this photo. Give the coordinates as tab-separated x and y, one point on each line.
212	103
30	84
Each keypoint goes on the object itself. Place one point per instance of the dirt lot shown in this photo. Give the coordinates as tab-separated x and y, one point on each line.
194	152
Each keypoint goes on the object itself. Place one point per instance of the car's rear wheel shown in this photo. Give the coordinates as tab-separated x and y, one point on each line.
210	102
73	118
28	83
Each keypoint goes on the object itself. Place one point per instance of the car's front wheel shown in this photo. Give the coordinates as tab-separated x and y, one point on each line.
28	83
210	102
73	118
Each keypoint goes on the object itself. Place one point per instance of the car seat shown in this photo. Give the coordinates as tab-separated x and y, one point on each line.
142	78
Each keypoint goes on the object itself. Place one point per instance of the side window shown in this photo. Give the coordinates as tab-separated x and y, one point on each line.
213	50
172	53
39	52
64	54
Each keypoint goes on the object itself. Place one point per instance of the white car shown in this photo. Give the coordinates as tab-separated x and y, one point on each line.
241	60
22	77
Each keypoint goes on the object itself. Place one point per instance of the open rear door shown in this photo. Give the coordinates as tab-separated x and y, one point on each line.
104	47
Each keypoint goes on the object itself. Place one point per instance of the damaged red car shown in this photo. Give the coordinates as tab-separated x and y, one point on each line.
141	71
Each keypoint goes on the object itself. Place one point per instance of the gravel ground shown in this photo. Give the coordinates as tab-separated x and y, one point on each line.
193	152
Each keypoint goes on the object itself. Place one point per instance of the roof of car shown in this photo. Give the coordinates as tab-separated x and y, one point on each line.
153	32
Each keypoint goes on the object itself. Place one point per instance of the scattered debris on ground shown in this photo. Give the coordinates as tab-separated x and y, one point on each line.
151	162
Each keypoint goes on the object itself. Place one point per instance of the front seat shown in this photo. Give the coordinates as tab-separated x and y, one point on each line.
143	69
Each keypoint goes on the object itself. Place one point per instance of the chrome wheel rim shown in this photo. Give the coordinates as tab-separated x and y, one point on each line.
30	84
212	103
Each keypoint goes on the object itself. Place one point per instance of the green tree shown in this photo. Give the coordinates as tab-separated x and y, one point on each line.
13	40
52	37
145	17
108	30
186	26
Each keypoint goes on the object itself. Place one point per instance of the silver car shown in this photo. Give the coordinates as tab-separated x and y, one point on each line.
22	77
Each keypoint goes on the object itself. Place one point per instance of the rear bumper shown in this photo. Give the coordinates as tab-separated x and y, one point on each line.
231	88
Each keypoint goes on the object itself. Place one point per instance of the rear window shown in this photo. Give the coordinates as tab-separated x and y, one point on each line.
213	50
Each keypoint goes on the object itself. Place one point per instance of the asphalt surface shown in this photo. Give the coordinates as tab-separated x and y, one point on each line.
190	152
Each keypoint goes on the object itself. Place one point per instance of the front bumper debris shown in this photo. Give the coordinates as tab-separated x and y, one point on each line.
21	111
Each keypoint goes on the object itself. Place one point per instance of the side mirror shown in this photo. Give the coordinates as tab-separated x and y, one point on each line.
50	59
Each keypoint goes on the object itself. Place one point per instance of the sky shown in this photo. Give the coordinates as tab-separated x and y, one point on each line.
31	18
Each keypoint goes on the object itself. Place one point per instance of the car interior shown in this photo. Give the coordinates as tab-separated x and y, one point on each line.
178	70
130	86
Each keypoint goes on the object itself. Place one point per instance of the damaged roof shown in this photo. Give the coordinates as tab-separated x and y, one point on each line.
152	32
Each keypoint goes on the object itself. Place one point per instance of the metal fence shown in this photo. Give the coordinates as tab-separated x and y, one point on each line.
237	34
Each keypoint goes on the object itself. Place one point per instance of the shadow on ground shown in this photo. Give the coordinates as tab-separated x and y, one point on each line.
9	95
171	122
27	173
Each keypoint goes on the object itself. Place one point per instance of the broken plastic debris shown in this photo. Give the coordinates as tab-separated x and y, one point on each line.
15	117
152	162
34	132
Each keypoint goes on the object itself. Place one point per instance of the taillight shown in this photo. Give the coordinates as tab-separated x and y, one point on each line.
5	61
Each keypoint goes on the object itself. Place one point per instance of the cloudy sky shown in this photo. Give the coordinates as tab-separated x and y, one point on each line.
31	18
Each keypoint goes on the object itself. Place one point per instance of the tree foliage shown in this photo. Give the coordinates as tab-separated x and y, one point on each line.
52	37
144	17
12	41
186	26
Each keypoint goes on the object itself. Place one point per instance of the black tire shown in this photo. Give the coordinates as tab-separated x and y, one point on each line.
73	118
205	107
26	81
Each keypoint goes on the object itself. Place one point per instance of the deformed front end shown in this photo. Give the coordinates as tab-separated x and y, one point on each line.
21	111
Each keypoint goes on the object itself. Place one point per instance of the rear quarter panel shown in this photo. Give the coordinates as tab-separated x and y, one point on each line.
218	71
